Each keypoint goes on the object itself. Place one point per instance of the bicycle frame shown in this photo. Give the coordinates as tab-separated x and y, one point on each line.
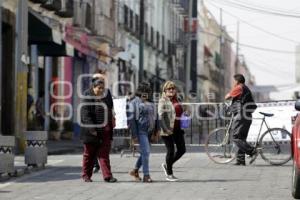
263	121
260	129
226	139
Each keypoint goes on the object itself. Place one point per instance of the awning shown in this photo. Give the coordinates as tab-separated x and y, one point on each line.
86	44
78	38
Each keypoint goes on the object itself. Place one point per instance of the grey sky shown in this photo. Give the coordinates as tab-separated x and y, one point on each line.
269	68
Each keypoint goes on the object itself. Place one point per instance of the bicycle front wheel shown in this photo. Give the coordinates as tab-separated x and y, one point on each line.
219	146
275	146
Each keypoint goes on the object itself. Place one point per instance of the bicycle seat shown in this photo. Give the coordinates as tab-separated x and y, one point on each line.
266	114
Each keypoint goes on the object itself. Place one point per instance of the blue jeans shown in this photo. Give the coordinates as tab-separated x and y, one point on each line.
143	160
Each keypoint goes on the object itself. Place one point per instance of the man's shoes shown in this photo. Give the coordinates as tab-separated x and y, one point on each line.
147	179
239	163
135	174
164	166
253	156
110	180
87	180
171	178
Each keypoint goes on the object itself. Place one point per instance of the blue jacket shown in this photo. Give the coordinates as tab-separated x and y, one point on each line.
141	116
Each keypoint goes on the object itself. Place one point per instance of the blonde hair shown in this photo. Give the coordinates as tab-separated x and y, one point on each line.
167	85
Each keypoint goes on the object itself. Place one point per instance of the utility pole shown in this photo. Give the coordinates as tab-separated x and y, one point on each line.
222	67
142	37
188	59
1	2
237	47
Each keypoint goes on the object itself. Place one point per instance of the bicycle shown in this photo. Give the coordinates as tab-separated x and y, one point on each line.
274	149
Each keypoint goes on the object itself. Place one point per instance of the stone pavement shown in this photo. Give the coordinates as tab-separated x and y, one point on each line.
200	179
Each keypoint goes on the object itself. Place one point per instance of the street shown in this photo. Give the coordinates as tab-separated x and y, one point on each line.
199	179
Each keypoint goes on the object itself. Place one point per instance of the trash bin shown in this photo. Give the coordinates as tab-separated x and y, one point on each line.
6	154
36	151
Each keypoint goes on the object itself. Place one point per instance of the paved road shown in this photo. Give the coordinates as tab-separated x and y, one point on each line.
200	180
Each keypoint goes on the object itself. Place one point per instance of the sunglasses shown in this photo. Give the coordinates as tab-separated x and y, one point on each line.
170	88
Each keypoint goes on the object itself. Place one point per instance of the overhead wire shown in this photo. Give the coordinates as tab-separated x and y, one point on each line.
256	27
255	9
252	46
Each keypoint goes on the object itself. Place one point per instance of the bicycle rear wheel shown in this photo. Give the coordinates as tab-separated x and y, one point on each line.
275	146
218	149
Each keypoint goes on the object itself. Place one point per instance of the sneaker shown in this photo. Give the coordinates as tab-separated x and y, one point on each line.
135	174
253	156
110	180
171	178
164	166
147	179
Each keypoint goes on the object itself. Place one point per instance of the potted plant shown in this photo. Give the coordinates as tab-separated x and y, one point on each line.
54	133
67	130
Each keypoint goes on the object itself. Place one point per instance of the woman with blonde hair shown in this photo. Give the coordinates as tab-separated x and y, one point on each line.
169	113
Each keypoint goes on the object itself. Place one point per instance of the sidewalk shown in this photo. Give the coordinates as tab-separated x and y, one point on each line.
59	147
64	146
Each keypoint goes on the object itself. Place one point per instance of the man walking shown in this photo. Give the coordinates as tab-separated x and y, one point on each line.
242	107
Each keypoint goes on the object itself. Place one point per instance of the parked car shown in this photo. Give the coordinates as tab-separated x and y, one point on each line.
296	153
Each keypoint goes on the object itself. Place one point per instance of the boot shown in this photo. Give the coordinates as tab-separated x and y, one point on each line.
147	179
135	174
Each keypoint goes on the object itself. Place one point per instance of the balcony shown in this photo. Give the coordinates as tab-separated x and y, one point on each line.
105	28
62	8
204	72
182	38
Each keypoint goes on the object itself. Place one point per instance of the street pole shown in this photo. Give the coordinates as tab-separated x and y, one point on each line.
20	73
222	74
48	75
141	50
188	59
1	2
34	71
237	47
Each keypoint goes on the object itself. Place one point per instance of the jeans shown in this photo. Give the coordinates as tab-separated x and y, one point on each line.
176	138
143	160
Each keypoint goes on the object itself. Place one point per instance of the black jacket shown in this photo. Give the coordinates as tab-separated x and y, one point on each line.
244	101
94	115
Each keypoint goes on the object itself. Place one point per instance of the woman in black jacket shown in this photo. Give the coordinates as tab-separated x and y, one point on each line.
97	129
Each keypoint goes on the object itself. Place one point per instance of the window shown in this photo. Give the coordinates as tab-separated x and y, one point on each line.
88	17
137	25
163	43
169	47
157	40
152	36
131	20
125	15
146	32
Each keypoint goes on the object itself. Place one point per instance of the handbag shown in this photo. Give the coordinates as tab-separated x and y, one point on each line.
185	121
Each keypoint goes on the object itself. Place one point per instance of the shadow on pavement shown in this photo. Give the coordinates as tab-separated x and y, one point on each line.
54	174
4	191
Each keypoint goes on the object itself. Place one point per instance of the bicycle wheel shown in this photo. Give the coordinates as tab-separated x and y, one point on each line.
218	149
275	146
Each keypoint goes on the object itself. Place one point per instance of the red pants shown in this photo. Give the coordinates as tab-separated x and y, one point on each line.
101	152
